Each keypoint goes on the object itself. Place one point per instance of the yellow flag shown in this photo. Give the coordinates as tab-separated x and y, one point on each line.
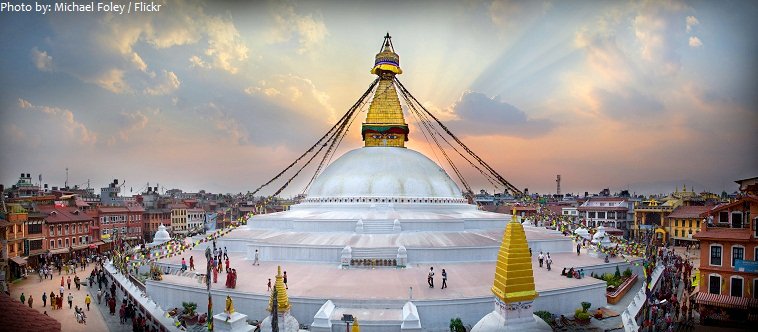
696	280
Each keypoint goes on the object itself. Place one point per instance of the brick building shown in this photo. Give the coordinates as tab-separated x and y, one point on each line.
728	267
120	222
66	229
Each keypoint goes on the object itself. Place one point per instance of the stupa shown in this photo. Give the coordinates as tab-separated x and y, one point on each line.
513	287
285	321
161	236
363	239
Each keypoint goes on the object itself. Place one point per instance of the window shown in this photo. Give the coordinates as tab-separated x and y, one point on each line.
591	214
714	284
755	230
52	230
52	244
716	254
65	228
35	245
59	243
81	240
60	230
73	241
67	243
736	289
690	223
755	287
724	216
123	230
737	253
35	228
676	233
736	219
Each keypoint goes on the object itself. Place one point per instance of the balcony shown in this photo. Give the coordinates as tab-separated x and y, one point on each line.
14	236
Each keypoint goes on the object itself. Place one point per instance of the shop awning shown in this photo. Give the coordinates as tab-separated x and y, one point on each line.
19	260
726	301
59	251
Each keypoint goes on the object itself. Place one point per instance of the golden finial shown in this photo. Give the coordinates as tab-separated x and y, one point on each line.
385	124
356	327
514	278
282	300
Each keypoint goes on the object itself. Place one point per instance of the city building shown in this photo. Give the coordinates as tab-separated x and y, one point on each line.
66	229
178	217
728	266
110	195
606	211
685	222
24	187
124	222
650	217
152	219
195	220
15	236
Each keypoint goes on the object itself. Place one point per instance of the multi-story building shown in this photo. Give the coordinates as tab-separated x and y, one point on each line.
178	217
606	211
123	222
684	222
154	218
15	236
66	229
34	246
195	220
728	263
650	218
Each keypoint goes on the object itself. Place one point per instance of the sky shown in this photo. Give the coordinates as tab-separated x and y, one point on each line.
640	95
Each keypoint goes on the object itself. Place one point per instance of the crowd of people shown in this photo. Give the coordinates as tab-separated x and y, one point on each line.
669	306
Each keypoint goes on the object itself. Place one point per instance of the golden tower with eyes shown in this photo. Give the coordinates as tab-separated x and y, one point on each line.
385	124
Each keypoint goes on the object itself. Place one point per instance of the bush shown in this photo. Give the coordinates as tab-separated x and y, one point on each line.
628	272
582	316
618	273
585	306
456	325
545	315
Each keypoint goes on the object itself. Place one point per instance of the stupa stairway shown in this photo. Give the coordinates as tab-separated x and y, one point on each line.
374	257
378	226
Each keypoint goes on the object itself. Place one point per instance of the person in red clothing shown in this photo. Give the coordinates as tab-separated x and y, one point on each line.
227	265
62	284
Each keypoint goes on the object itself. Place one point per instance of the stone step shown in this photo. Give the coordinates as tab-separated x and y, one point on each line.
378	253
378	226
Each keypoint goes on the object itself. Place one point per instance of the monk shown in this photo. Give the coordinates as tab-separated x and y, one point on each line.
215	276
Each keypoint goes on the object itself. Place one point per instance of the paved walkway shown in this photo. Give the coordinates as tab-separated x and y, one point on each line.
96	321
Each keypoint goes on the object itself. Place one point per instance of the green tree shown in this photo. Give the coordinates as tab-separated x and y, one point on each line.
456	325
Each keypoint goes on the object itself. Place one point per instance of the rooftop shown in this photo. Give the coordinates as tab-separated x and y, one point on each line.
18	317
689	212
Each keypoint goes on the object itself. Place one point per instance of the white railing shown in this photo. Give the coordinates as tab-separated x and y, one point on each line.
629	316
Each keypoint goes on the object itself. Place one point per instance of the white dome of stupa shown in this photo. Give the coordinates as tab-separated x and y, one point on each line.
384	172
601	236
161	236
583	232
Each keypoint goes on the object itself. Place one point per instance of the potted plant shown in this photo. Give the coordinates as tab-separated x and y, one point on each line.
456	325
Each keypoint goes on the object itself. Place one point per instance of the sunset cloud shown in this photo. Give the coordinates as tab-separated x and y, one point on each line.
478	114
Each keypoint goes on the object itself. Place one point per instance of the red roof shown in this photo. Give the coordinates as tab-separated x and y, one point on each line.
120	209
747	198
689	212
715	233
726	301
18	317
63	214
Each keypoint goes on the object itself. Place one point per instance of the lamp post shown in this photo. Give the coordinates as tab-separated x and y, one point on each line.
347	318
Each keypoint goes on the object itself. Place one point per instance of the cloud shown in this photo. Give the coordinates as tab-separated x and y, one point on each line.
514	15
691	22
131	123
695	42
224	46
65	119
42	60
298	93
112	80
168	84
288	24
657	27
478	114
625	105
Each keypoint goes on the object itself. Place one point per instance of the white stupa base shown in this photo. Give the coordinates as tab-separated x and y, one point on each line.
237	322
287	323
516	316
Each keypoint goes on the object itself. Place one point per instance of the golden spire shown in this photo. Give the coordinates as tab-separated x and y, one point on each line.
514	279
283	302
356	327
385	124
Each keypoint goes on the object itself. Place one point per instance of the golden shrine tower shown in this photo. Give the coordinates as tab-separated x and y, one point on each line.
286	322
385	124
513	286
